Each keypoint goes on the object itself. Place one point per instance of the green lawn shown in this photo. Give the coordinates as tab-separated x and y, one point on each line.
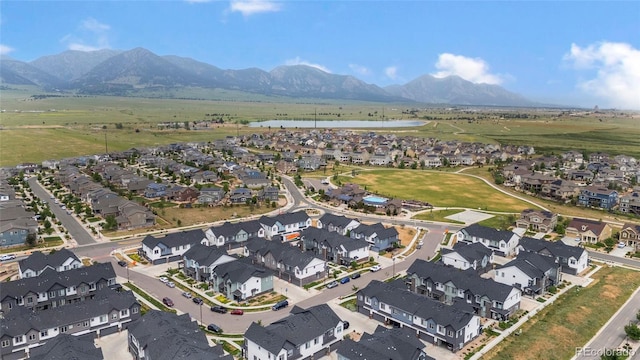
439	215
500	221
440	189
572	320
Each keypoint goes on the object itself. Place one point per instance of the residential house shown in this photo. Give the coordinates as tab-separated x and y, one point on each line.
65	346
534	182
287	262
210	195
468	256
384	343
204	177
269	194
530	272
240	280
15	225
338	223
537	220
53	289
182	193
630	203
285	225
200	260
572	259
155	190
452	326
170	247
240	195
561	190
161	335
107	313
37	262
139	185
380	237
447	284
502	242
630	234
234	234
590	231
133	216
304	334
598	197
334	247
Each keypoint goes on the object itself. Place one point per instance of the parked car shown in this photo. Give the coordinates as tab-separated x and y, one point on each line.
215	328
171	284
187	294
345	325
280	305
332	284
164	279
621	245
7	257
355	275
197	300
375	268
122	263
167	301
344	280
236	312
219	309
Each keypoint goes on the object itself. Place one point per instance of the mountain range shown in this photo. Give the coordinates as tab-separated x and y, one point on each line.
113	72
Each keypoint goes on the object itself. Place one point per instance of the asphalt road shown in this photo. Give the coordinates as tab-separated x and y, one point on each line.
616	259
77	232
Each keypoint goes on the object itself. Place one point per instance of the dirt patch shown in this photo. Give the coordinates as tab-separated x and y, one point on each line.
610	292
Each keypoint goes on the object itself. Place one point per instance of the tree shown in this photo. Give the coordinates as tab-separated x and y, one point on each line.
110	223
31	239
632	331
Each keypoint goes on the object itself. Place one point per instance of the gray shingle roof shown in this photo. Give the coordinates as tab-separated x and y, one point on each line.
470	252
38	261
67	347
333	239
301	326
418	305
462	279
485	232
167	336
286	218
175	239
285	253
396	344
557	248
232	229
21	319
532	264
241	270
205	255
335	220
50	279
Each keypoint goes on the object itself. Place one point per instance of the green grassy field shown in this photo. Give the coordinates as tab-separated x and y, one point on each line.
437	188
556	331
439	215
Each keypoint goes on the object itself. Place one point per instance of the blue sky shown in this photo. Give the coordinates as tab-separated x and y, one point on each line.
569	52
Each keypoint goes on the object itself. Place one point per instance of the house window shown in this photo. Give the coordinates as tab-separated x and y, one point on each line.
32	337
450	333
156	251
29	300
86	323
61	292
134	310
124	312
44	333
52	294
315	341
307	345
114	316
103	318
6	343
63	329
18	339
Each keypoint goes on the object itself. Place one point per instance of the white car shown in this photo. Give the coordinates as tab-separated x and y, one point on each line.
7	257
164	280
187	294
375	268
621	245
170	284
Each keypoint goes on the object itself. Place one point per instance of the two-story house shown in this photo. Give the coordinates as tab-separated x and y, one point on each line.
283	225
630	234
210	195
335	247
530	272
304	334
502	242
52	289
537	220
589	231
340	224
287	262
37	262
241	280
396	344
233	235
200	260
452	326
379	236
468	256
572	259
598	197
447	284
170	247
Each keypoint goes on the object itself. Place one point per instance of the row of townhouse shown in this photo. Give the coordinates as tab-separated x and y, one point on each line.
160	335
383	343
108	312
51	289
447	284
233	235
304	334
377	235
334	247
452	326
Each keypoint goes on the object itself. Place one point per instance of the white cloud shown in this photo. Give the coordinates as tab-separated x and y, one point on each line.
4	49
250	7
298	61
475	70
617	77
91	35
359	69
391	72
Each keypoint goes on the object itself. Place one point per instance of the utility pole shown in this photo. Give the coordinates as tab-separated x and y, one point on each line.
106	149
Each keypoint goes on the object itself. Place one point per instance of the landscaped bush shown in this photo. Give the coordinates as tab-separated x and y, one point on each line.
553	289
540	299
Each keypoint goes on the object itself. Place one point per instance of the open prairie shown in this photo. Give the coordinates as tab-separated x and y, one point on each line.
440	189
36	126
